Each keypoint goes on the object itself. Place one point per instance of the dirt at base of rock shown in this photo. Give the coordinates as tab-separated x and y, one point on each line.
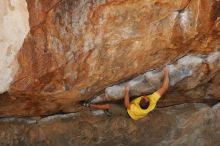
186	124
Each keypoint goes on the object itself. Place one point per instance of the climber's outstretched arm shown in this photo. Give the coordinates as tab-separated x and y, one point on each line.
165	84
100	106
126	98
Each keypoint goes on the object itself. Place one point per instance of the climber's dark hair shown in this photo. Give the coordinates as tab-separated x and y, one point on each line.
144	103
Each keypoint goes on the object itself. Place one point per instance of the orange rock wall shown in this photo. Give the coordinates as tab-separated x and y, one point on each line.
77	48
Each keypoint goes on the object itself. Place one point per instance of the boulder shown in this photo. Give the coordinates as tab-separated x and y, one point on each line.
75	49
186	124
192	79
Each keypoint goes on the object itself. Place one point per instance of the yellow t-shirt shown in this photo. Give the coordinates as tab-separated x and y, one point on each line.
136	112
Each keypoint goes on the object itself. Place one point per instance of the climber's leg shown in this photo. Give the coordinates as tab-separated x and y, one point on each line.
118	110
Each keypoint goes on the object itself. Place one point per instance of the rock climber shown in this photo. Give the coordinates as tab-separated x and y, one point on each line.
139	107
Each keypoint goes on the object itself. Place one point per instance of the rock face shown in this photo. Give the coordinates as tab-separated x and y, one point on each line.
76	49
186	124
185	75
14	28
81	49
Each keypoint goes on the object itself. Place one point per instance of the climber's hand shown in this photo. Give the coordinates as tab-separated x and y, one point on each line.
126	89
165	71
86	104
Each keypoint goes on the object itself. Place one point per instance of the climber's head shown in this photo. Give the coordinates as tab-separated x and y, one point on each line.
144	103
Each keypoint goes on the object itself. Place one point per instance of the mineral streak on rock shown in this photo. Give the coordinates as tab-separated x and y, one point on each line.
14	27
75	49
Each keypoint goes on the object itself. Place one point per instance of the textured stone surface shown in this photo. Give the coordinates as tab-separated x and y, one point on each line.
78	56
78	49
186	124
186	75
14	28
75	49
193	78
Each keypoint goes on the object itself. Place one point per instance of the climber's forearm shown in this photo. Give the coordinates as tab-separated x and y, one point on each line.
100	106
165	83
126	98
126	102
